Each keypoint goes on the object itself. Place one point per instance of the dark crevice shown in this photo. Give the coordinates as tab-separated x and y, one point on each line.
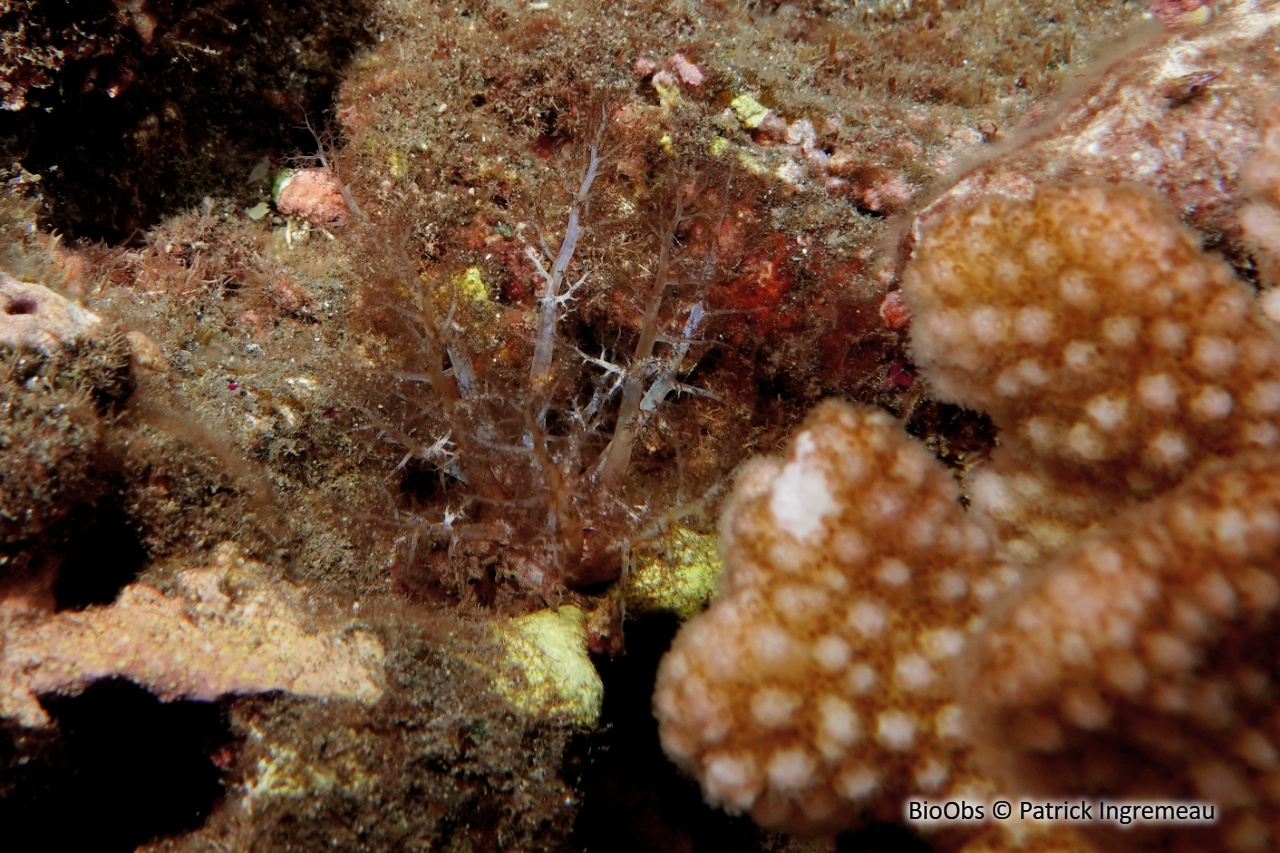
882	838
124	769
959	437
149	113
421	482
101	554
634	799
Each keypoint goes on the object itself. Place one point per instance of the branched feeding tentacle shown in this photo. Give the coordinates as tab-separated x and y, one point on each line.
546	445
553	300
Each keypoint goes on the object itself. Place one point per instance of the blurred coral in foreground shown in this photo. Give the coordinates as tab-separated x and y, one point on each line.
1136	388
1117	359
1114	355
814	684
1111	638
818	691
1144	666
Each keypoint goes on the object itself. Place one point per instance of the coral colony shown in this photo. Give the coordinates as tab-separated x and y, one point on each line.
1099	621
1127	520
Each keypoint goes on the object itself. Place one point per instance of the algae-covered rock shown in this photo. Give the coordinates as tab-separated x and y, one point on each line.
59	373
48	441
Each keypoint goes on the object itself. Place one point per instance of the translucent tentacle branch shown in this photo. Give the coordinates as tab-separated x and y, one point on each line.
553	300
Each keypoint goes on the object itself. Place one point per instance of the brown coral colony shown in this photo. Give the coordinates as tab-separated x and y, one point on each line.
1130	373
1096	624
